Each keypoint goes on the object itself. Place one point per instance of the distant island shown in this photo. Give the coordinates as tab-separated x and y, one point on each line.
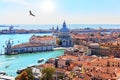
11	30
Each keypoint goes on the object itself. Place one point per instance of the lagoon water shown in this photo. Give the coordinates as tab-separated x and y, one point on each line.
20	61
70	26
15	62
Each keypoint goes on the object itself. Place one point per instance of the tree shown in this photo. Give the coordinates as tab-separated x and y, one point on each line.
119	35
58	42
25	75
45	35
61	76
48	72
22	76
91	34
30	74
76	41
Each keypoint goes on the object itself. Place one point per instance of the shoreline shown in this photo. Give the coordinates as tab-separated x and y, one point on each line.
61	48
54	49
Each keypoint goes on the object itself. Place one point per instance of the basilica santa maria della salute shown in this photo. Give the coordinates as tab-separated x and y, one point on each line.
64	36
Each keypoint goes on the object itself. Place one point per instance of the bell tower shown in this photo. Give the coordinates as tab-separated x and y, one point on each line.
8	48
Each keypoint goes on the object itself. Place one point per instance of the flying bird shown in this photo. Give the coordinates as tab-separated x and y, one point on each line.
31	13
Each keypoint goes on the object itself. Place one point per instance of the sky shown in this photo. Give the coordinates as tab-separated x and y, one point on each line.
57	11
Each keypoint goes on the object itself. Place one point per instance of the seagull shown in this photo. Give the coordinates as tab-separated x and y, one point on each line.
31	13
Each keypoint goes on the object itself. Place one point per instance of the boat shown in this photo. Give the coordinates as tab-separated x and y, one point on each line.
7	66
2	73
40	60
33	65
20	70
5	77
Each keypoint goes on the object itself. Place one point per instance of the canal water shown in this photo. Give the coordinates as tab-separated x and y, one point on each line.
11	63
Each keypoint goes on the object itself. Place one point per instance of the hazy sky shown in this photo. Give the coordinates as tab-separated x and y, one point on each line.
56	11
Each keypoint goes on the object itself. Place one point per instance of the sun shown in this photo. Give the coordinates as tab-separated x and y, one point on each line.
47	6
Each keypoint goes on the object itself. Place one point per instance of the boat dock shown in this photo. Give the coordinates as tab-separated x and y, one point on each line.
5	77
61	48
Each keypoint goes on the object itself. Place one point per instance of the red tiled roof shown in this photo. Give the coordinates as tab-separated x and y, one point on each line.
41	38
29	45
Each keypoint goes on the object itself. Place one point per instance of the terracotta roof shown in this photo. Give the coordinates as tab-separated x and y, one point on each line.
46	65
29	45
41	38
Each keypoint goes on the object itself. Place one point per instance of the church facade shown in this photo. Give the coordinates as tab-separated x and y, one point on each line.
64	36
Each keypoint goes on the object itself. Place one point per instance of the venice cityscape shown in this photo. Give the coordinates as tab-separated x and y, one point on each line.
59	40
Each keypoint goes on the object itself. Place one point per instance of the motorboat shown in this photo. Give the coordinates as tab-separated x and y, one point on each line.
7	66
2	73
20	70
33	65
40	60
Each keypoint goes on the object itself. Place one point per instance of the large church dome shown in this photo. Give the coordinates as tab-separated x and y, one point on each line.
64	28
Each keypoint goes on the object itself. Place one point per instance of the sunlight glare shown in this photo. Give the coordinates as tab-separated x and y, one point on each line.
47	6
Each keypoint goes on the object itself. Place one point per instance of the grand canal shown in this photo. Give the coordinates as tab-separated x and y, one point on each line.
11	63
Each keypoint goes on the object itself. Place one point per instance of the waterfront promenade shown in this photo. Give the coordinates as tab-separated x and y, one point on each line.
61	48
